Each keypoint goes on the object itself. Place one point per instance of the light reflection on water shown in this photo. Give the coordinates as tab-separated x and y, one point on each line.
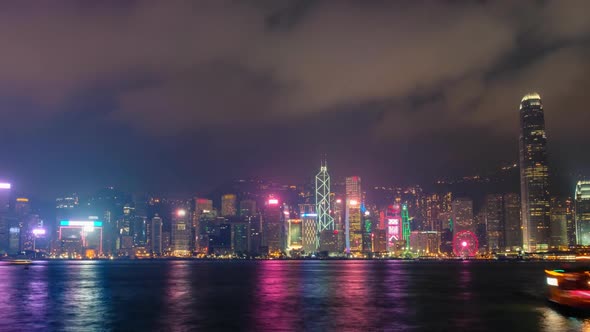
278	296
176	311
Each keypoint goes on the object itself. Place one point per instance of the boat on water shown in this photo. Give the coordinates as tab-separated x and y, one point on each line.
16	261
569	287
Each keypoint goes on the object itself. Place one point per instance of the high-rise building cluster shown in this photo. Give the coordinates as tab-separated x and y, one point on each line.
326	217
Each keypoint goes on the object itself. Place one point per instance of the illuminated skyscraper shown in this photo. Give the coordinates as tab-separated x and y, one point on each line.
255	234
273	233
203	207
22	212
139	231
558	224
309	228
582	197
393	220
433	208
512	222
156	240
228	205
339	223
570	217
354	232
446	203
367	236
220	236
406	225
240	236
125	239
327	237
180	233
462	215
294	238
4	220
534	175
379	240
322	199
494	222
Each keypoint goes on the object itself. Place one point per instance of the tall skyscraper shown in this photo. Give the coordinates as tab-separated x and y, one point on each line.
512	222
139	231
534	175
156	240
273	233
558	224
393	221
462	215
582	197
294	237
406	225
570	217
180	233
327	230
255	234
203	207
228	205
4	218
309	228
322	200
340	223
368	224
433	208
22	213
125	239
354	234
240	236
494	221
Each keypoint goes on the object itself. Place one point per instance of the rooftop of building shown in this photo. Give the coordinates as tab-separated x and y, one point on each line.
530	96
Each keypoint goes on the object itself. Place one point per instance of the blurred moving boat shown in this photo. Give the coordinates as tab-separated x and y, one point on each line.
16	261
569	287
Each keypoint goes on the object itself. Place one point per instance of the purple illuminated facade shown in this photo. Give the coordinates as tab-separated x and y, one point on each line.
393	220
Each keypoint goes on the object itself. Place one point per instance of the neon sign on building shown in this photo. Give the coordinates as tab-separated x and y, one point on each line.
393	217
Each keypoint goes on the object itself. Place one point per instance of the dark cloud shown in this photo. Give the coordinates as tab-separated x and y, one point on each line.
387	73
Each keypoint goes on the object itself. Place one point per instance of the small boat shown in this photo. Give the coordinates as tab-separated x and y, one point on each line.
17	261
569	287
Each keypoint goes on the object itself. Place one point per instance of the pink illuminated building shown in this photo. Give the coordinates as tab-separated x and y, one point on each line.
273	234
394	226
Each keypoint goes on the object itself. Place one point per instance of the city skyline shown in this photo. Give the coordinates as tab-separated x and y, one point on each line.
298	221
294	165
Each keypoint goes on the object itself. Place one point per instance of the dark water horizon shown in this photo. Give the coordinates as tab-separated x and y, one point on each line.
280	296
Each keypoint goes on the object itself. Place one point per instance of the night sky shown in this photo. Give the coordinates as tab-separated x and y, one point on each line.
178	96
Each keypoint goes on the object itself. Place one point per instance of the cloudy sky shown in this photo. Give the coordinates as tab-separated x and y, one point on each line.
181	95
